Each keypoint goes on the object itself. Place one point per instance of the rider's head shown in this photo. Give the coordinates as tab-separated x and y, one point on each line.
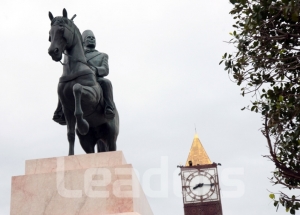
89	39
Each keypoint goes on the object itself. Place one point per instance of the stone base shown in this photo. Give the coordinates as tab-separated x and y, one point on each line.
91	184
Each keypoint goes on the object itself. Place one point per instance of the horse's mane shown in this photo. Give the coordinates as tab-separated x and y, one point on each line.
60	20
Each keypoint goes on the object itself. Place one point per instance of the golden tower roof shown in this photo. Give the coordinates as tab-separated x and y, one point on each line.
197	153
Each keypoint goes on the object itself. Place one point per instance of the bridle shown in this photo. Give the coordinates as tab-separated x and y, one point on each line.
73	33
76	60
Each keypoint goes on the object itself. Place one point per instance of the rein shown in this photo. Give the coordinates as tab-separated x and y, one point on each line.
74	76
77	60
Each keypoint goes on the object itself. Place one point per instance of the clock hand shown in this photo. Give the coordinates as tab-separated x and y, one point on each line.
209	184
202	184
198	185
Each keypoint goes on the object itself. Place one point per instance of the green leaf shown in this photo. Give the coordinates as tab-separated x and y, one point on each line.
281	98
295	15
247	21
272	196
221	62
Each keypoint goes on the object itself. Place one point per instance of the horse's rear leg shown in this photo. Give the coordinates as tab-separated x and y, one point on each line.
102	146
111	140
82	124
87	141
71	121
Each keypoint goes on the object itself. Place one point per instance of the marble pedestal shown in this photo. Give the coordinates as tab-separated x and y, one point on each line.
91	184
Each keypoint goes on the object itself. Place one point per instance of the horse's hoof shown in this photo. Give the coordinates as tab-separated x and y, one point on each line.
83	127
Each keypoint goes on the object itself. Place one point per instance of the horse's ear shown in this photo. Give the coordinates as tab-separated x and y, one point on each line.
50	16
65	14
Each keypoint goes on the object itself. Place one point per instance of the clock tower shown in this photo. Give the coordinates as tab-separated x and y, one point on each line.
200	183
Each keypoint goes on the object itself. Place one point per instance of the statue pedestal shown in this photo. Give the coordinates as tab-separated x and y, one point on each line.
91	184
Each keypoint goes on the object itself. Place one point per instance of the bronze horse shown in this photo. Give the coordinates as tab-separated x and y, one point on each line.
79	92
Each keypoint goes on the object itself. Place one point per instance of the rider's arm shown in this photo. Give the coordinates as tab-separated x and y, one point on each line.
103	70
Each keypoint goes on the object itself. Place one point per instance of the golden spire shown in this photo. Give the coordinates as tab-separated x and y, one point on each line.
197	153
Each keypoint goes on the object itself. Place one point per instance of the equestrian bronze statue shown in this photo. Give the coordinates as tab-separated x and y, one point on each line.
85	96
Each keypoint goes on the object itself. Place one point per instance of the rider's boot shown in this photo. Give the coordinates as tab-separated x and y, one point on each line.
109	110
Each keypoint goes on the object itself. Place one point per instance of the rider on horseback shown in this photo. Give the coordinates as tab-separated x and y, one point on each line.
99	62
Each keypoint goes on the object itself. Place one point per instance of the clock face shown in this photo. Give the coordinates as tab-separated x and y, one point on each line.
200	185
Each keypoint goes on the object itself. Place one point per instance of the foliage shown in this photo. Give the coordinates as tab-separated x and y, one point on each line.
266	64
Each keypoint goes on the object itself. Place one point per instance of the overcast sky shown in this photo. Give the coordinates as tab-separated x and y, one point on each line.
163	58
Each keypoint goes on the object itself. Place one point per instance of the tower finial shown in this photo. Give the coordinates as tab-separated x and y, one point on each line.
196	135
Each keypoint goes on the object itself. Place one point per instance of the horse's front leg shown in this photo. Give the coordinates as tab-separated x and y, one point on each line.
71	122
82	124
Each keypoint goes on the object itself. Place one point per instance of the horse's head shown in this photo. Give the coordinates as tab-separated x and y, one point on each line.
61	35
